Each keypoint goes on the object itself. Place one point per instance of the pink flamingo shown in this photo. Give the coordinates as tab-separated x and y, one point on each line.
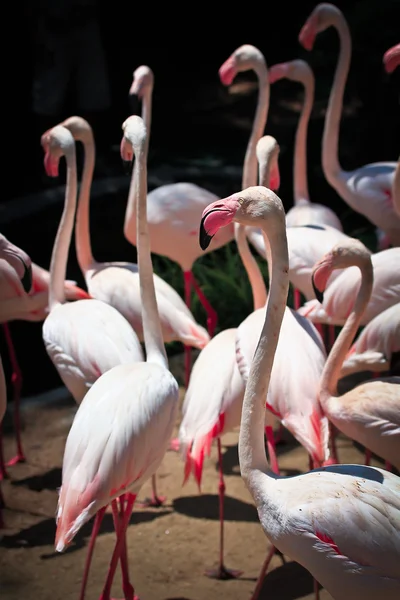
375	346
340	295
369	413
341	522
21	263
117	283
304	212
88	337
16	304
213	400
173	211
367	190
122	428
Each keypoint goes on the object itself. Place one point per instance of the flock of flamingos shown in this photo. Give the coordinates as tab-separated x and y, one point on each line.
340	521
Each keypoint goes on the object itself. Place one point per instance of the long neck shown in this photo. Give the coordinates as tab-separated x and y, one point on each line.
252	458
82	226
330	140
59	256
331	372
153	340
301	194
130	213
249	178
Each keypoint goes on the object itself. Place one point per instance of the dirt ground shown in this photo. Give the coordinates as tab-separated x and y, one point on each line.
168	547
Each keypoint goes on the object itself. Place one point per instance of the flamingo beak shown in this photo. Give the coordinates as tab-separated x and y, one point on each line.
318	294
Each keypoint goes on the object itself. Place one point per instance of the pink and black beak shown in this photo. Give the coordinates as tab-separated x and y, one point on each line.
26	277
217	214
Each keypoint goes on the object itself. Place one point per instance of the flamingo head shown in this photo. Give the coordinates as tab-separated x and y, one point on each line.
19	261
343	255
143	79
322	17
296	70
391	58
244	58
133	139
278	71
267	151
56	142
247	207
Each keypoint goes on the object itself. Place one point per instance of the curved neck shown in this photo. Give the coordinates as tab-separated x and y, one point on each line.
253	271
82	225
331	372
153	340
249	178
130	213
59	255
300	192
252	458
250	168
330	140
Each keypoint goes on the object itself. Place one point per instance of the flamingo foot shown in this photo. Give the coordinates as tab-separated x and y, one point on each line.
153	502
174	445
223	573
18	458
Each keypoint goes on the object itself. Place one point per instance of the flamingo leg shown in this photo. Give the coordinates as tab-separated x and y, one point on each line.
368	455
388	466
269	434
16	380
95	530
221	572
188	350
212	317
296	298
155	501
129	592
279	436
121	531
261	576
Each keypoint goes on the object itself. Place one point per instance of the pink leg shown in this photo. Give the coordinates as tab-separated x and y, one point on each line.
187	275
3	470
124	521
368	455
296	298
388	466
95	530
174	445
316	589
155	501
320	330
221	572
261	576
212	317
269	434
16	380
129	592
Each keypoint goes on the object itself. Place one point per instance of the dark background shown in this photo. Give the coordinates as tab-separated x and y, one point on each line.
199	129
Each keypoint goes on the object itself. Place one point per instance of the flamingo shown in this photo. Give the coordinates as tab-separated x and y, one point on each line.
84	338
173	211
21	263
341	522
117	283
304	212
368	189
370	412
135	407
16	304
340	294
376	345
213	399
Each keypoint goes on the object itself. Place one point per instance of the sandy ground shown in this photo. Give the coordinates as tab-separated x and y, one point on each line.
169	547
